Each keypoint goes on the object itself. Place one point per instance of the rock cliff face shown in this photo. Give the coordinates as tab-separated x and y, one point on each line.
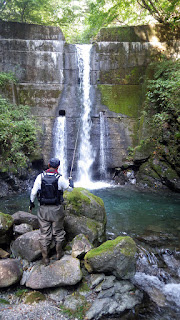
47	71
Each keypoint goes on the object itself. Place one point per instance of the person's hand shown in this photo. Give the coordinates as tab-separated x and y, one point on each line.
31	205
71	183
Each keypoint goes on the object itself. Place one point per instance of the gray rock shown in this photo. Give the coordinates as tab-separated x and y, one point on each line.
99	307
25	217
96	279
27	246
22	228
93	230
116	257
115	300
80	246
64	272
108	282
10	272
73	302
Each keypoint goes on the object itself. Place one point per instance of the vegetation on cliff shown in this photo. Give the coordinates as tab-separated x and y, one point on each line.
162	120
18	132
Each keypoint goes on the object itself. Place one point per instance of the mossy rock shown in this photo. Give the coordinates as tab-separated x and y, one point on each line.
116	257
6	222
6	227
35	297
94	231
81	202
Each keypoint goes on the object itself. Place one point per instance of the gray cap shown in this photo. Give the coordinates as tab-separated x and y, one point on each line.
54	162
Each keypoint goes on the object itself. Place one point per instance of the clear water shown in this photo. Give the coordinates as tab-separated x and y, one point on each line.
128	210
131	211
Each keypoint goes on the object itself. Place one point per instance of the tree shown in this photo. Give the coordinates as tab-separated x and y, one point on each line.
104	13
164	11
51	12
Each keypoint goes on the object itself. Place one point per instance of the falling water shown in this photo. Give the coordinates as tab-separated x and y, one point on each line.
60	145
86	156
102	159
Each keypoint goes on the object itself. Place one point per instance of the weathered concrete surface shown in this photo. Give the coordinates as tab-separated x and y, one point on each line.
35	54
47	70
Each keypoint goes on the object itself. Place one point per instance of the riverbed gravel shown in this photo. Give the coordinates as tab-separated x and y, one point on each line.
44	310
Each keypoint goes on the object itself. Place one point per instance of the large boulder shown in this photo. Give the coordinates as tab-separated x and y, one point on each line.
85	213
93	230
25	217
10	272
6	228
64	272
116	257
27	246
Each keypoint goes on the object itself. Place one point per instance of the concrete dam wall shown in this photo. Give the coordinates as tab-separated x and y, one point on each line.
49	80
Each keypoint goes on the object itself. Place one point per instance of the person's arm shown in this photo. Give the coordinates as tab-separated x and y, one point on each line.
64	184
36	187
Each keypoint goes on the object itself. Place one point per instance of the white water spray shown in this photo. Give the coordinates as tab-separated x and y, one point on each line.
86	156
60	145
102	159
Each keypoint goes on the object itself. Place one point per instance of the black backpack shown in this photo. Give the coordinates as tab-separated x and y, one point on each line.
49	193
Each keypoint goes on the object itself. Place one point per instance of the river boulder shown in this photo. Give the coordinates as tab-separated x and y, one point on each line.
10	272
64	272
115	257
85	213
6	228
25	217
27	246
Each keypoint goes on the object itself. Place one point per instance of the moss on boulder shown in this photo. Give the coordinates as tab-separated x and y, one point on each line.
6	224
85	213
81	202
113	256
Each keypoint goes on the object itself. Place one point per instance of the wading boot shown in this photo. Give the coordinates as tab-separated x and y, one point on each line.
59	250
44	251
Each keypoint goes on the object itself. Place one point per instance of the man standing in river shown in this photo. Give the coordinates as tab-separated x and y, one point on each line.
49	187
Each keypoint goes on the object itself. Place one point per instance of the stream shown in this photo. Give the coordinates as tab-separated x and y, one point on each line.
153	221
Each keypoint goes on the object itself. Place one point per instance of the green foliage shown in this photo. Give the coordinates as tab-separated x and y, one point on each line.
6	78
4	301
18	132
163	110
164	11
46	12
79	313
20	293
81	20
35	297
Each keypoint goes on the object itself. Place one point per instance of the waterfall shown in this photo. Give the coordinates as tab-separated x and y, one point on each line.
102	158
60	144
86	156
